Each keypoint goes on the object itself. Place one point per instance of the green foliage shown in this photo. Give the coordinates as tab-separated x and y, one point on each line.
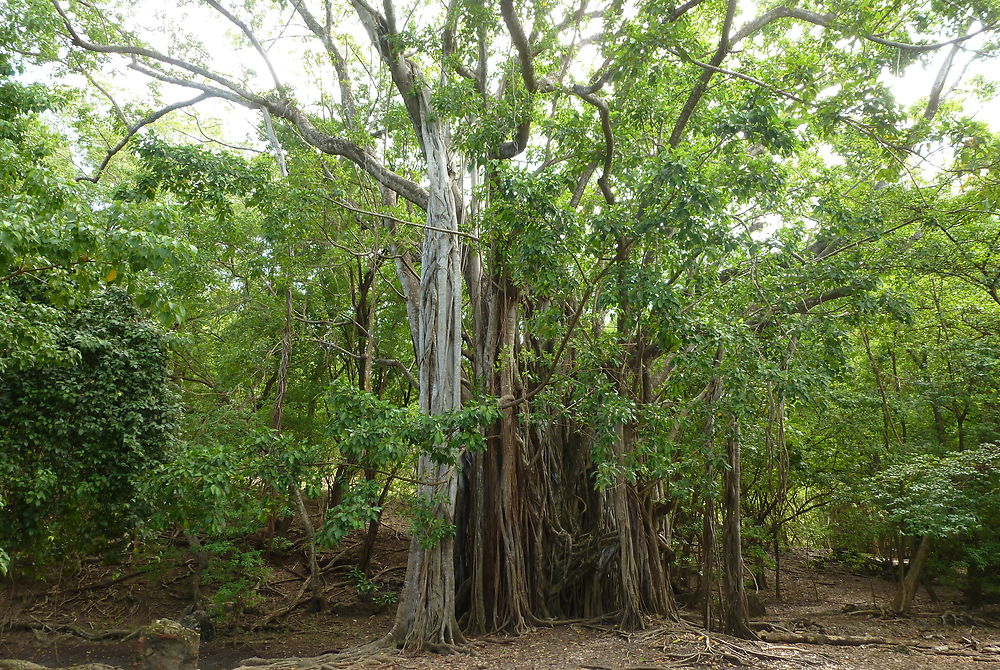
538	233
369	590
428	525
358	508
205	488
942	496
77	437
372	433
56	247
239	574
202	181
225	490
367	427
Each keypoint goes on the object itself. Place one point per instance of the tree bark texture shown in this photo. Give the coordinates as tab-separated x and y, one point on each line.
425	618
735	619
907	588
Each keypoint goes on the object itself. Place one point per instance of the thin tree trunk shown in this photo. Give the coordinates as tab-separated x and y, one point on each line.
777	563
201	564
940	430
899	392
908	585
735	619
318	602
888	428
364	564
960	428
708	514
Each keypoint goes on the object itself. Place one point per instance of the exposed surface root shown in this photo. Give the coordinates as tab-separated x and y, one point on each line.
356	657
712	649
89	634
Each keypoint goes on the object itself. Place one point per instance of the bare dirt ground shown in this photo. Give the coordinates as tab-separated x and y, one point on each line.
819	598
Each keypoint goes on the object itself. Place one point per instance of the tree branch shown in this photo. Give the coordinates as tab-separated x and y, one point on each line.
829	20
706	76
339	64
284	109
145	52
390	362
250	36
526	61
135	128
934	100
609	139
682	10
387	217
520	41
381	32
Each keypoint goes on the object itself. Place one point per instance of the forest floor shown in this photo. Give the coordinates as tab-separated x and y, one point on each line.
819	596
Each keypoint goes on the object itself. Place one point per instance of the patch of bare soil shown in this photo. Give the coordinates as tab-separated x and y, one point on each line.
820	598
42	620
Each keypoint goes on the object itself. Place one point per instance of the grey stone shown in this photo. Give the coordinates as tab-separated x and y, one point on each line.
167	645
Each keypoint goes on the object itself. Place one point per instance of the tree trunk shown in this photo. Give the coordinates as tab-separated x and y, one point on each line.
975	581
939	426
908	585
201	560
777	564
960	428
708	514
368	549
628	569
425	618
735	619
277	416
318	602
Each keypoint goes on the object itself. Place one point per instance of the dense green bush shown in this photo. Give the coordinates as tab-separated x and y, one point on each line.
76	437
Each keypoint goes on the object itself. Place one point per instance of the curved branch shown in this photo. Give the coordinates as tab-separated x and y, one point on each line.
527	64
706	76
136	127
114	103
781	12
328	144
828	20
388	362
389	217
581	184
609	140
520	41
682	10
339	64
250	36
576	17
934	100
213	91
404	72
338	146
753	26
152	54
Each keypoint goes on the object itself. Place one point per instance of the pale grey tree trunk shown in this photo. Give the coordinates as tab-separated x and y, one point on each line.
425	617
